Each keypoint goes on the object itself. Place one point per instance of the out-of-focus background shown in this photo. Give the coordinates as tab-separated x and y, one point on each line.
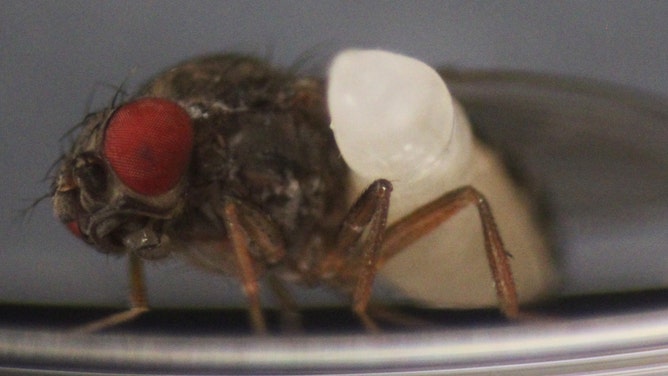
56	57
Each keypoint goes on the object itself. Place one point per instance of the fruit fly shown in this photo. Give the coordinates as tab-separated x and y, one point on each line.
231	163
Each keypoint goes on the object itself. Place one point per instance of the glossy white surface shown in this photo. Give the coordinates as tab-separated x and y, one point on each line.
393	117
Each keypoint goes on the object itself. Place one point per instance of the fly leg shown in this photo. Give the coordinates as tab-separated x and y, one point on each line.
354	259
290	317
138	300
246	228
426	218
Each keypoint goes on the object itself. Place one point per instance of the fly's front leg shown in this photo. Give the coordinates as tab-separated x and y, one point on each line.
428	217
354	260
244	226
138	300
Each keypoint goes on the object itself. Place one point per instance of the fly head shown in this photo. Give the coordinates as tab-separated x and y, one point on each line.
124	179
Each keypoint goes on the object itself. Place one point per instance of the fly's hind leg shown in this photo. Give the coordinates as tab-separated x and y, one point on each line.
353	261
138	300
426	218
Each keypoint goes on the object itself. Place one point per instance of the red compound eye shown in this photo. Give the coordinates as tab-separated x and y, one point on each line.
148	144
73	226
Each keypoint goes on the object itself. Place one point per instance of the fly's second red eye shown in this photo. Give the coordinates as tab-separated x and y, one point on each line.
148	144
73	226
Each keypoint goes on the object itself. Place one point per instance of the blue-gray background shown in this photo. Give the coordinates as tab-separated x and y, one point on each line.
55	55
